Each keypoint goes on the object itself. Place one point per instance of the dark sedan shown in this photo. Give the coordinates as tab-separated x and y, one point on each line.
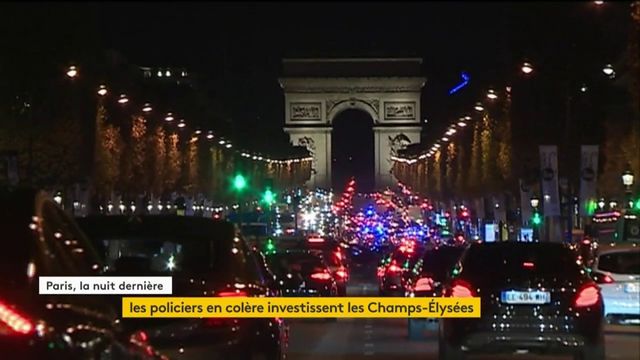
535	297
205	257
302	273
39	239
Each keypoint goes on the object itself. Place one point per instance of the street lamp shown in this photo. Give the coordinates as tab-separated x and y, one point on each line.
181	123
58	198
479	107
102	90
72	72
608	70
535	202
169	117
491	94
123	99
210	135
627	179
147	108
527	68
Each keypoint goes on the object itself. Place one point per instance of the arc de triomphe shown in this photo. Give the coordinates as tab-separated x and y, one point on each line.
317	90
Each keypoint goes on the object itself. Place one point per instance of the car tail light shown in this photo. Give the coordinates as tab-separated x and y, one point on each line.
606	279
528	265
461	289
342	273
424	284
587	296
15	321
316	240
393	268
236	293
321	276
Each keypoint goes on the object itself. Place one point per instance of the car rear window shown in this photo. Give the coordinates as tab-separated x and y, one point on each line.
439	262
305	263
165	244
622	262
491	261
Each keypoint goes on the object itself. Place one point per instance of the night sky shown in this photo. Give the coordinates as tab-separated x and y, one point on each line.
236	49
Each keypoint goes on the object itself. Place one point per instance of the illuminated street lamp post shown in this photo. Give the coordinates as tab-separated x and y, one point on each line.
536	220
627	181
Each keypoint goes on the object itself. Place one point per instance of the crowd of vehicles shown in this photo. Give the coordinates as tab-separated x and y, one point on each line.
536	297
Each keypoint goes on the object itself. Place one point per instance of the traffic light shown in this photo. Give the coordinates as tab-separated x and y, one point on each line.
270	247
269	197
536	219
239	182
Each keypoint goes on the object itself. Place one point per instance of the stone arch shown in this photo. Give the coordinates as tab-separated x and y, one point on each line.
316	91
352	104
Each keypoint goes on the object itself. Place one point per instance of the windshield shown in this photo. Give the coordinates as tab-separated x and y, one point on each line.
498	261
627	262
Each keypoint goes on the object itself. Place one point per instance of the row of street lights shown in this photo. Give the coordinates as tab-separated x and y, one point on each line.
73	72
492	95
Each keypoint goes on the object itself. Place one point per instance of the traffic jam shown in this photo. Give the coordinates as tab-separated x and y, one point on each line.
538	297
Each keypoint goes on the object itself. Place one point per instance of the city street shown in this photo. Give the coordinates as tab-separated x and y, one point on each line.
356	339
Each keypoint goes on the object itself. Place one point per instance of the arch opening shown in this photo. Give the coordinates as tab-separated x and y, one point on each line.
352	149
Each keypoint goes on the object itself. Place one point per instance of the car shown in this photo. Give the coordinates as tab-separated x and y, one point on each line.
204	257
40	239
617	271
535	298
302	273
396	273
323	246
427	278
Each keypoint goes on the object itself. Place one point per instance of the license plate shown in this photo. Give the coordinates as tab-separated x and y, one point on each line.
525	297
631	288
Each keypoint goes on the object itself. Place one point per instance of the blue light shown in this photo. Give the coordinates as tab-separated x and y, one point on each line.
465	81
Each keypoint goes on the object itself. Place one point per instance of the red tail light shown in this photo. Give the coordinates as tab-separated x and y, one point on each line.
394	268
237	293
587	296
424	284
15	321
461	288
342	273
321	276
607	279
528	265
316	240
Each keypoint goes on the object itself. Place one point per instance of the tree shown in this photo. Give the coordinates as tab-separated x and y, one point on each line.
157	160
475	167
173	163
108	152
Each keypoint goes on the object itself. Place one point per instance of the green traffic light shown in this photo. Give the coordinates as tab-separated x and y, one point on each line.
637	204
536	220
269	197
270	248
239	182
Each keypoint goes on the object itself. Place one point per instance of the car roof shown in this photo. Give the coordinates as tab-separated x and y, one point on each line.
157	226
609	248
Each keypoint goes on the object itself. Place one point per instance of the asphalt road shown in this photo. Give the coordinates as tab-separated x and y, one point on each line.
385	339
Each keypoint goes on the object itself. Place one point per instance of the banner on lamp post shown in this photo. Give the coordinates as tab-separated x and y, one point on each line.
588	177
549	178
525	202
